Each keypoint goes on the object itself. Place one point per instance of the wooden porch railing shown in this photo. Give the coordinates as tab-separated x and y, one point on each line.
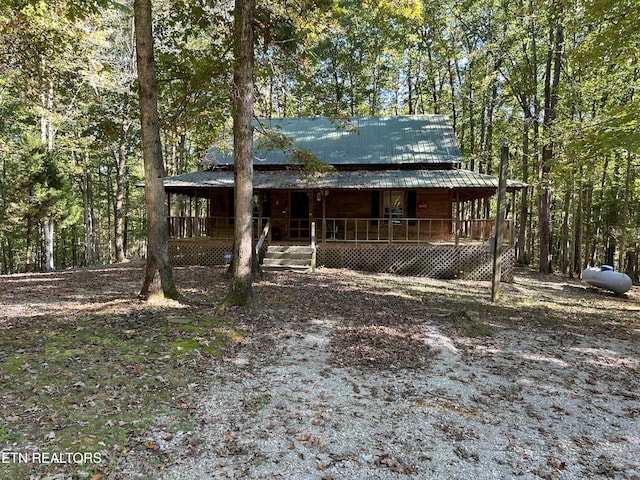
409	230
354	230
214	227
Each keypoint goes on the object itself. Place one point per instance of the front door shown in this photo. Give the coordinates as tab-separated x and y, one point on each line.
299	227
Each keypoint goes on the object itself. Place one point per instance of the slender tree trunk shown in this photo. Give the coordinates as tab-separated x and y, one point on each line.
578	226
624	220
181	154
521	254
47	229
120	164
597	228
431	71
158	278
632	266
97	219
110	202
452	86
46	137
87	194
410	87
241	291
472	126
552	81
459	128
589	222
564	237
535	100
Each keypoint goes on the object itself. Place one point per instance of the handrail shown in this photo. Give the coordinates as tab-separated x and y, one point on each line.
265	232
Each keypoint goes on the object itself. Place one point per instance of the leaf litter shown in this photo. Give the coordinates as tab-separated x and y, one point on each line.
345	375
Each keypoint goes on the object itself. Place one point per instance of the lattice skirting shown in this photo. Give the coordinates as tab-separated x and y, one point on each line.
197	252
200	252
470	262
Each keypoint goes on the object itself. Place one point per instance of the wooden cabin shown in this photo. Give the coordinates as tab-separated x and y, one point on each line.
391	181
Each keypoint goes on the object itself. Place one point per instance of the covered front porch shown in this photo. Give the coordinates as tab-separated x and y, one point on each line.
341	215
432	223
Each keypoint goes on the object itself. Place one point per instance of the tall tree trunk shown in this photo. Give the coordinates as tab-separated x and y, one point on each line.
578	226
28	254
624	220
97	218
564	237
452	86
158	278
410	87
87	194
552	81
597	229
535	101
431	71
241	291
589	222
521	253
47	229
120	164
46	137
182	154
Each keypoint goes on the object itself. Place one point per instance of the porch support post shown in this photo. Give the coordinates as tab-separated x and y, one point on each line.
512	238
313	246
169	214
310	207
389	224
324	218
196	219
259	195
190	219
457	220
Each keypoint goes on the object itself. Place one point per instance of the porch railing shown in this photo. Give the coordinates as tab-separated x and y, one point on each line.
214	227
408	230
353	230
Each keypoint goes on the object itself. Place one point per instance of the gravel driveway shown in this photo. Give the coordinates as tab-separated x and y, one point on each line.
349	376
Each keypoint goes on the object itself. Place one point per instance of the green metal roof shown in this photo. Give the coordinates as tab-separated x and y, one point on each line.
344	180
393	141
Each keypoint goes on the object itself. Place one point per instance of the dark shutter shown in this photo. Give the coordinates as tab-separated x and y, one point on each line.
266	204
412	206
375	207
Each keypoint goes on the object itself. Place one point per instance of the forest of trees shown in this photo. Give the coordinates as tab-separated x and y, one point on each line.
555	81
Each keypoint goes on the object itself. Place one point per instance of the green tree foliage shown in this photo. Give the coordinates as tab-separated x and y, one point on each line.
37	188
66	77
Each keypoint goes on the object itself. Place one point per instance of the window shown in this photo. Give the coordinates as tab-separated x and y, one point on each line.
393	205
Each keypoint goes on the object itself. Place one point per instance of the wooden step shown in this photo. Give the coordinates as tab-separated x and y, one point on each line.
290	249
286	268
288	257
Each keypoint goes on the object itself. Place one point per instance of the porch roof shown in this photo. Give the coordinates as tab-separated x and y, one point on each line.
343	180
357	141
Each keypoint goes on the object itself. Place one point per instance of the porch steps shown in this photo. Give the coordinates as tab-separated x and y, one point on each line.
287	257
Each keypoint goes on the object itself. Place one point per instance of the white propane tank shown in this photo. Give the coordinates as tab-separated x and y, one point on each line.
605	277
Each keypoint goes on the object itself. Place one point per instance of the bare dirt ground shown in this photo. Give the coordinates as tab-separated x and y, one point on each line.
341	375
